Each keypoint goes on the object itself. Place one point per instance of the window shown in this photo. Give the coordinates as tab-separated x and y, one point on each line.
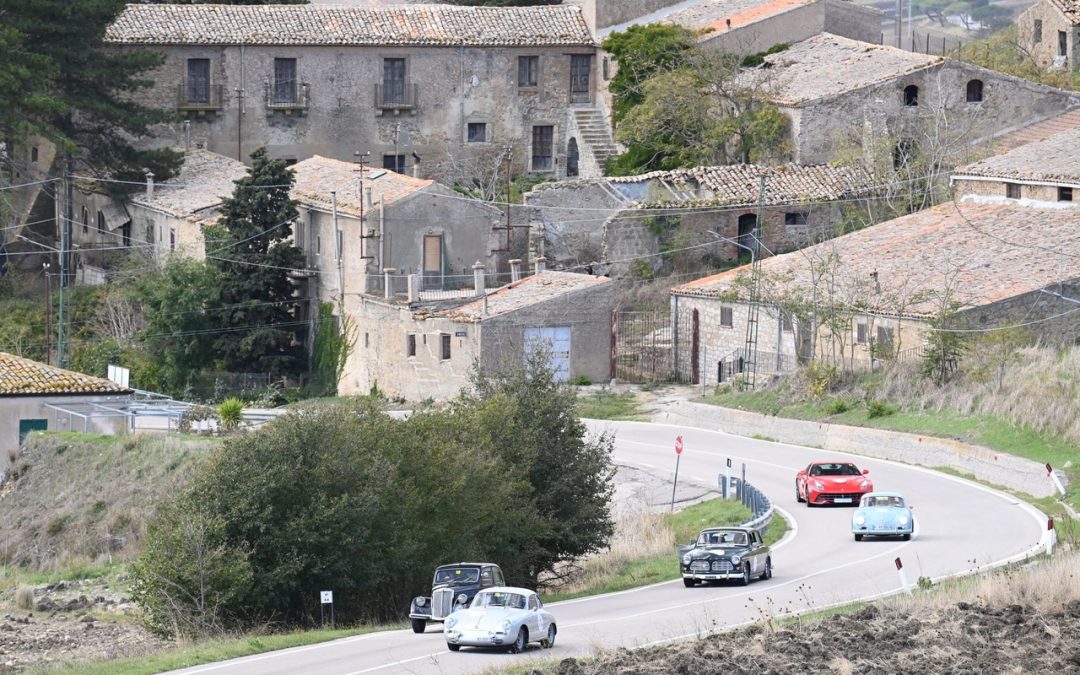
410	345
974	91
543	138
284	81
786	323
172	240
85	220
1037	32
101	222
1065	194
528	71
794	218
298	234
606	68
367	340
726	318
394	81
318	244
445	352
1063	43
1012	190
884	335
861	330
477	132
150	233
33	154
911	95
198	81
394	163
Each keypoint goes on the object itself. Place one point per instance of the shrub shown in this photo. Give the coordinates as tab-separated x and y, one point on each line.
582	381
821	378
837	406
876	408
24	597
230	413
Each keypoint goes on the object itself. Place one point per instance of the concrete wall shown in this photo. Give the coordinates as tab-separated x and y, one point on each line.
1045	51
456	86
16	408
1022	475
797	24
877	114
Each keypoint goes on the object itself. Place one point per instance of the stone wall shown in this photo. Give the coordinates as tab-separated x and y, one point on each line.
797	24
569	218
995	188
1015	473
1051	319
1045	50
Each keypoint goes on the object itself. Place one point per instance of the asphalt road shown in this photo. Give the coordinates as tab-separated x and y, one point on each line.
961	527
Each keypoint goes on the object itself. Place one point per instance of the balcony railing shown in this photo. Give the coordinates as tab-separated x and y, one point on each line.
397	96
199	98
286	95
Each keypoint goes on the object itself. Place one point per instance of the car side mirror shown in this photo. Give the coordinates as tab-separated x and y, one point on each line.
865	471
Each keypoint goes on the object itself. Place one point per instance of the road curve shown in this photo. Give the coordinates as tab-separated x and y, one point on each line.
961	527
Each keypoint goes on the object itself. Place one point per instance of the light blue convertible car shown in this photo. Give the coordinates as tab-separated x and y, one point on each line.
882	514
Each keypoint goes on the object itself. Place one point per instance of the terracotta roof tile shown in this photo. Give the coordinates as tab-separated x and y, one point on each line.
710	17
318	176
1039	131
204	180
1070	8
1054	160
519	294
23	377
984	248
408	25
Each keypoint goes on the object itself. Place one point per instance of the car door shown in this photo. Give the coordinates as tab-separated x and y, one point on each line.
757	553
536	623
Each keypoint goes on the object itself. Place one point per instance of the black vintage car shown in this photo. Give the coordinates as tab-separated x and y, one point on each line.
721	553
452	589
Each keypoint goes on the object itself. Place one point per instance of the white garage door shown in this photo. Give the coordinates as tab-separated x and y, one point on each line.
556	341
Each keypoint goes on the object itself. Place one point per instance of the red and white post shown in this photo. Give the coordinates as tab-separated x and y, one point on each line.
1054	477
678	456
903	576
1051	536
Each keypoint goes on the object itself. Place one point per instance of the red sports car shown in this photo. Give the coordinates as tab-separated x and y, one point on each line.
832	483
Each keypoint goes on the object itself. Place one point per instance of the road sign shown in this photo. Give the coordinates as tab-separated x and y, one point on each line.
678	445
327	597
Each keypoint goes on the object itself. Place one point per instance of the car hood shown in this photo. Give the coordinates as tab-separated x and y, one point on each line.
850	482
882	512
485	618
717	551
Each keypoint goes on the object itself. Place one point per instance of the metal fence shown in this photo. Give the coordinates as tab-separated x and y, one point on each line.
643	347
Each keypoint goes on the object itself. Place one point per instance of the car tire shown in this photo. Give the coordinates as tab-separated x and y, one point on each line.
520	641
689	583
798	495
907	536
745	581
767	574
549	641
418	625
452	647
858	537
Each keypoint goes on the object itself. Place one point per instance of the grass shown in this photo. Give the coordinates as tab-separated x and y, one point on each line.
607	405
208	652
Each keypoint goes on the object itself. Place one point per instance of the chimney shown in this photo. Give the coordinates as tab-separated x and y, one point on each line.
416	170
728	23
149	184
367	198
414	288
478	277
387	280
541	264
515	269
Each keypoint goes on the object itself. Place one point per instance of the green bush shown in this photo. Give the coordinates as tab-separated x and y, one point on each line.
837	406
582	381
230	413
876	408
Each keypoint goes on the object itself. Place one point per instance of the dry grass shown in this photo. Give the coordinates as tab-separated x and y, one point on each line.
24	597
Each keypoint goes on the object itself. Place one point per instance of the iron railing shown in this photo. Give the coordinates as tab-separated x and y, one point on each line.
199	97
397	96
287	95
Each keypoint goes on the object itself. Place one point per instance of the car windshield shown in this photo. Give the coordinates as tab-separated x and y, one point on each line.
499	599
722	537
457	575
879	500
834	470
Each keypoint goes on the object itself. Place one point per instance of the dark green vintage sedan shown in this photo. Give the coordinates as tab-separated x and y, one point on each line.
722	553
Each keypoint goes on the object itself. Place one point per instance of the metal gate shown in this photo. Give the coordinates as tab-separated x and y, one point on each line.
643	347
557	341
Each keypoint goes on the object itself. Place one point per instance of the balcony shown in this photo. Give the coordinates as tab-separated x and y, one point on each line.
200	99
397	96
288	97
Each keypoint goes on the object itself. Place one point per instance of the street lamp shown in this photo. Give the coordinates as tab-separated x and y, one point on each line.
753	251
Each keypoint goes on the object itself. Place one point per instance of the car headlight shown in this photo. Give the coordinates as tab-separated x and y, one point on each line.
686	559
451	621
506	625
735	559
420	602
860	519
865	485
818	485
462	598
902	520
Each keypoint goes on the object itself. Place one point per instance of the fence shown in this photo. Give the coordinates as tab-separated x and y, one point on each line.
643	347
736	363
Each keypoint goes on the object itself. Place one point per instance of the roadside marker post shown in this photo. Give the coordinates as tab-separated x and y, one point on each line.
326	598
1051	536
903	576
727	481
1054	477
678	456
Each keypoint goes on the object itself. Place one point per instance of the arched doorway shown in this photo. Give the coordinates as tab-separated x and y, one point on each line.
747	233
572	157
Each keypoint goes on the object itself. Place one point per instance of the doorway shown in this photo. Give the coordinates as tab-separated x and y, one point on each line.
580	78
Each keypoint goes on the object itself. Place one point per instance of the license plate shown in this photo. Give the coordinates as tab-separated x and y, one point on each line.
843	500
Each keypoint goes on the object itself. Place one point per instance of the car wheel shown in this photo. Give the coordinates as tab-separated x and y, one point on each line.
549	641
745	574
453	647
689	583
907	536
798	495
520	642
858	537
418	625
767	574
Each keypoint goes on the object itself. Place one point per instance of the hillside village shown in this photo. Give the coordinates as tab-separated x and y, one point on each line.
385	197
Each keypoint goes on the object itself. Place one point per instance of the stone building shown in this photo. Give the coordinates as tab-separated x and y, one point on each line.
419	349
35	396
1049	30
1046	173
635	217
882	285
433	90
848	99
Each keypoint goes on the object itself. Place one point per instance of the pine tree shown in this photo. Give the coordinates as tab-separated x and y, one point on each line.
259	313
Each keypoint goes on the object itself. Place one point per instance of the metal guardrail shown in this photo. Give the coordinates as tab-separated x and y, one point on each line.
755	500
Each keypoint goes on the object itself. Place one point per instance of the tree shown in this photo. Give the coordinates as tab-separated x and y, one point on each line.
253	250
641	52
75	90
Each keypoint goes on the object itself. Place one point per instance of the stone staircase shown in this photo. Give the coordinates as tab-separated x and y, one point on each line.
594	141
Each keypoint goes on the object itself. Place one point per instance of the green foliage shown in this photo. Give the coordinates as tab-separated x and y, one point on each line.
335	336
641	269
1001	51
581	381
258	318
230	413
821	378
878	408
641	52
752	60
944	346
837	406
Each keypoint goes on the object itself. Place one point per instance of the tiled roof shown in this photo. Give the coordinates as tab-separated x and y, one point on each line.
1070	8
407	25
23	377
318	176
1038	131
1053	160
826	65
204	180
710	17
520	294
984	250
741	184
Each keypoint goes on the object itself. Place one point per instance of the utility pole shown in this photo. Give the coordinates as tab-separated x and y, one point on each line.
48	314
749	381
65	243
360	158
239	124
509	167
397	164
899	19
